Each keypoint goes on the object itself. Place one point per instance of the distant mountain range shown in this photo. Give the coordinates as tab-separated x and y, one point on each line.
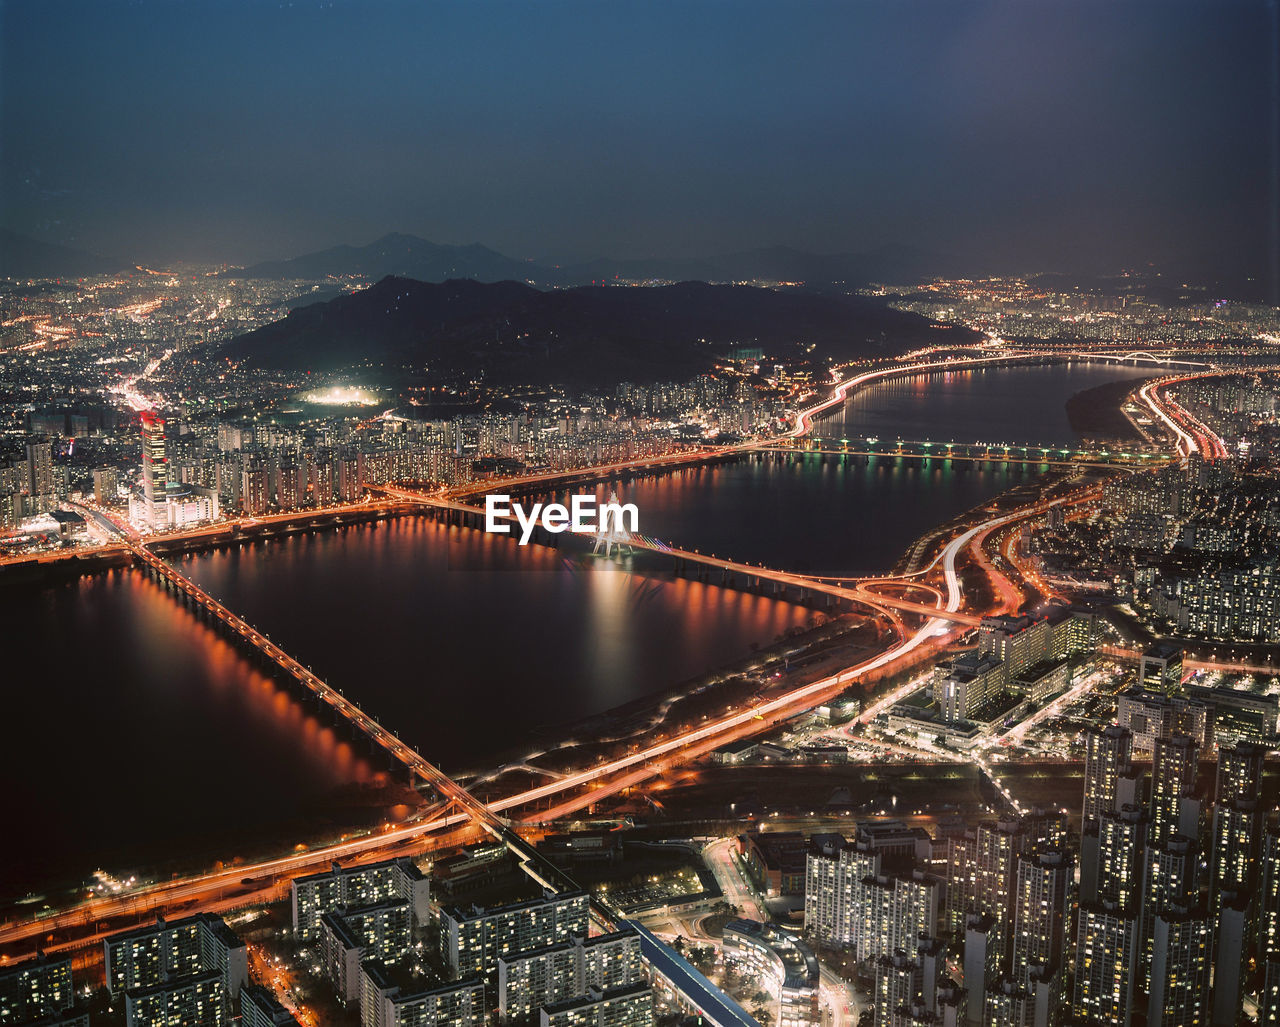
23	257
410	257
514	333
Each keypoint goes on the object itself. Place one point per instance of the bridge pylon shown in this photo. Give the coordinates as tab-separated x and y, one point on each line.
610	532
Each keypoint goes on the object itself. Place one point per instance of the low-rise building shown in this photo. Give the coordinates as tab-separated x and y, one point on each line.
782	961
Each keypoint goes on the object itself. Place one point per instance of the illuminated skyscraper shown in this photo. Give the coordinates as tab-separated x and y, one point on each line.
1170	881
155	466
1111	857
1040	914
39	484
1173	781
1107	755
1239	772
1179	992
1106	954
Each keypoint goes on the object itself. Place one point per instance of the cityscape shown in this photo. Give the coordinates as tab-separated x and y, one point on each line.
875	629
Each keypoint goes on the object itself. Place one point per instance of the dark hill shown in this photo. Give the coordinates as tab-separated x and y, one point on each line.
514	333
405	256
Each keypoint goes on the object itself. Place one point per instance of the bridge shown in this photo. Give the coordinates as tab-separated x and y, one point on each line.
1143	356
1030	454
460	806
753	575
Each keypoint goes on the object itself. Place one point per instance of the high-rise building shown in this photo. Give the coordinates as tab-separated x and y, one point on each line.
155	466
1178	995
474	939
313	896
899	984
1161	669
254	491
553	973
259	1007
1239	774
1268	936
1105	964
180	971
1040	913
106	486
1154	715
1229	959
1112	858
1174	809
1170	881
382	931
35	988
193	1000
1107	760
833	891
1237	843
41	488
983	955
384	1003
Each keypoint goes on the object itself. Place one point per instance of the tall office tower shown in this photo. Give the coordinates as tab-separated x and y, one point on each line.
1239	773
155	466
1106	957
1040	913
1107	759
899	983
1230	939
1173	781
1161	669
983	954
1169	881
1178	995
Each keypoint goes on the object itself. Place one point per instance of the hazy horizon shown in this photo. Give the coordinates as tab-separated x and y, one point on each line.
1083	136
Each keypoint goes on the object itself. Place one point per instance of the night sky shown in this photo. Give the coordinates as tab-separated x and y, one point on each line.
1063	134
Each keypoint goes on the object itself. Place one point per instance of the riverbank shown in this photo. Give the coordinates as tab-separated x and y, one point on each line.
1095	414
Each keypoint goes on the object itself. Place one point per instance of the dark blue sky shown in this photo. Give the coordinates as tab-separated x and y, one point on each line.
1056	133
